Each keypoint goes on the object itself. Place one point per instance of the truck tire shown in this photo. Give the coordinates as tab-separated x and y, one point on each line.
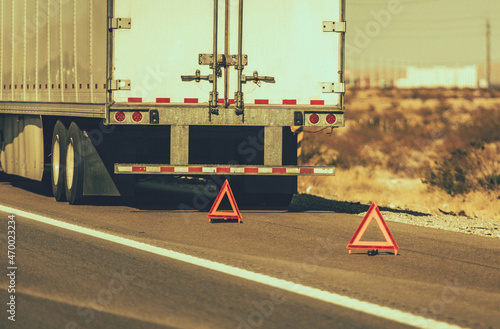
58	173
74	165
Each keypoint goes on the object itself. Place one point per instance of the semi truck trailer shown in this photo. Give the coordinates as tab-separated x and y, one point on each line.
97	93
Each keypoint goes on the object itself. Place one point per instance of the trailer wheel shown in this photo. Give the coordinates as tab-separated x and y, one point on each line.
74	165
59	141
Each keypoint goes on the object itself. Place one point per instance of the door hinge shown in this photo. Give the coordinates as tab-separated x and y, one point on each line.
333	87
119	85
119	23
329	26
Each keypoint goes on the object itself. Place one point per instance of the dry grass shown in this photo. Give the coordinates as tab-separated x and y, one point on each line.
368	185
393	139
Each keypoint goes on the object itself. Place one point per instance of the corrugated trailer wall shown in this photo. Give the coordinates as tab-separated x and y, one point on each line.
53	51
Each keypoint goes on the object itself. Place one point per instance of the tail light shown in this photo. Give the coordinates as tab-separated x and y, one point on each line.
314	118
120	116
331	119
137	116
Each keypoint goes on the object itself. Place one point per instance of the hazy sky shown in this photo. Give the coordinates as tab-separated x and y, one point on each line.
424	32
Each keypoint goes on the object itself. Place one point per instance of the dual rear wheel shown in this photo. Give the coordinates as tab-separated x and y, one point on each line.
67	163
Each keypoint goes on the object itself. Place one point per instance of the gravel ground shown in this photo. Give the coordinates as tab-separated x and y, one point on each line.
463	224
476	226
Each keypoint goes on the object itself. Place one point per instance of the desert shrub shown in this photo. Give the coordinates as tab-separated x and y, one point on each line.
311	151
450	174
351	94
491	182
416	94
393	134
346	150
475	168
484	125
423	93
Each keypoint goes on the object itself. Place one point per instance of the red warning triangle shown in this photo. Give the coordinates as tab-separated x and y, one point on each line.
226	189
388	244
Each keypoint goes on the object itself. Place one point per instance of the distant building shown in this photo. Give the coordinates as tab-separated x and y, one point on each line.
495	75
440	76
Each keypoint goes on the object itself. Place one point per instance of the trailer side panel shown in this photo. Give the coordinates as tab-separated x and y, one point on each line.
53	51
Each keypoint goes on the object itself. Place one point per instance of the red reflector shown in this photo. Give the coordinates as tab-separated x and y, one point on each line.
314	118
289	102
137	116
120	116
191	100
134	100
226	170
317	102
262	101
195	169
251	170
138	169
279	170
230	101
306	170
167	169
331	119
163	100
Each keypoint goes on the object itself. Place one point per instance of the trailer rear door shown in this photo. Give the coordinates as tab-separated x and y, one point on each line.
284	40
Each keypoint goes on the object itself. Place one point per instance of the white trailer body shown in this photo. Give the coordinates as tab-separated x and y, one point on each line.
281	39
165	87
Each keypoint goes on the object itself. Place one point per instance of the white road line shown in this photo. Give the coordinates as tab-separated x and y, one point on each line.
325	296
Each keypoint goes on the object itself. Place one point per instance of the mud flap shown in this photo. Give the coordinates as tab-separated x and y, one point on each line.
99	179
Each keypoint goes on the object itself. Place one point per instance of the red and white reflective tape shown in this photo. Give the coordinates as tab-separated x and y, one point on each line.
165	100
54	86
222	170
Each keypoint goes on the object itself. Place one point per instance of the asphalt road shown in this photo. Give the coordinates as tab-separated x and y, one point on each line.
68	279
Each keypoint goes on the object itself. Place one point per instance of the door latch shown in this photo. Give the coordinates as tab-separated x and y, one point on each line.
197	77
222	60
257	79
